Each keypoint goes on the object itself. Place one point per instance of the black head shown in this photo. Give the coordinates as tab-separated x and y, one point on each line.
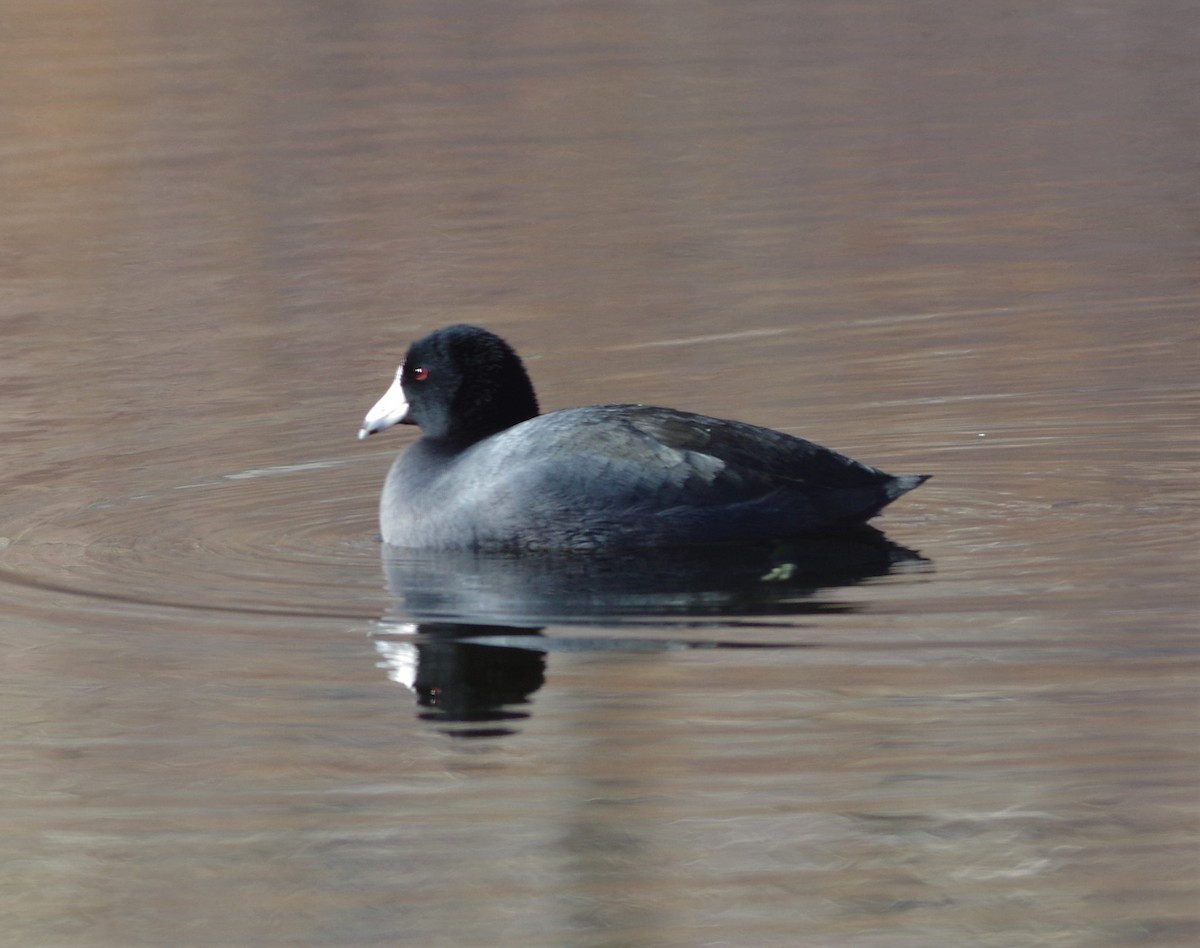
463	383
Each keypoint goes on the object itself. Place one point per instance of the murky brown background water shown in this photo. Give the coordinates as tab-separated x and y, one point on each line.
948	238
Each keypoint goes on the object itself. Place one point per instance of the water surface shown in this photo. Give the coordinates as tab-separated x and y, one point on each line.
956	241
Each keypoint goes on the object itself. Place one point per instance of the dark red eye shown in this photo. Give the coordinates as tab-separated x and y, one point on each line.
420	374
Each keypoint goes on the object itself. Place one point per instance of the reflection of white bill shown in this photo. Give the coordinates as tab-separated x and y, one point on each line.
398	657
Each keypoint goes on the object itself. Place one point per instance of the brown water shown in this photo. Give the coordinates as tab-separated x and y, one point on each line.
952	239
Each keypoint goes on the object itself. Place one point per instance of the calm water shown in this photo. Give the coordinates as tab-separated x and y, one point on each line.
952	239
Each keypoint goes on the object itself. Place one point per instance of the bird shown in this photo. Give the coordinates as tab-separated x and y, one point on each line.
491	473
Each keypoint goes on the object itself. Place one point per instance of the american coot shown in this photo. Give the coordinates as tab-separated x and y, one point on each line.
491	473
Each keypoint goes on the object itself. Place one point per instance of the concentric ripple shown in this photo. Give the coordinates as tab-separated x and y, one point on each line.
287	540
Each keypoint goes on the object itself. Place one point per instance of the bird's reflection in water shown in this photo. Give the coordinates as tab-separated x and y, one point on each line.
460	678
466	631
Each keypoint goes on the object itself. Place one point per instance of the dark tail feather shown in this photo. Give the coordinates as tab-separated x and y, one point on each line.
903	483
